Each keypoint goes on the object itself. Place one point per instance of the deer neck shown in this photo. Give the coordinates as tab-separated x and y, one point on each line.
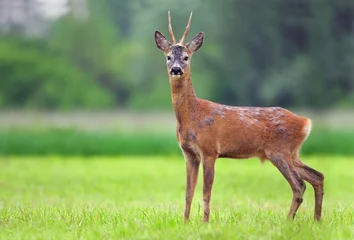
184	100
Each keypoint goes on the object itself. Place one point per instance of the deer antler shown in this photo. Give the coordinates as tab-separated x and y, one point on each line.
170	29
187	30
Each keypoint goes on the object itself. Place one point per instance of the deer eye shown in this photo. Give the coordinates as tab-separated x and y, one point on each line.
168	58
185	58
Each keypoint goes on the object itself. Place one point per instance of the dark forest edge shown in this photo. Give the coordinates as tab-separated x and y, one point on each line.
70	142
256	53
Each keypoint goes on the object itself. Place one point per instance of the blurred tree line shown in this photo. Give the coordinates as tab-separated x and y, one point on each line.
101	54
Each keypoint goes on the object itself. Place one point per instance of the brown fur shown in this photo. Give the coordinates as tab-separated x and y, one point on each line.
207	131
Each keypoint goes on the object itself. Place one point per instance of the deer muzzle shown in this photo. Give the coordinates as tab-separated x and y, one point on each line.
176	72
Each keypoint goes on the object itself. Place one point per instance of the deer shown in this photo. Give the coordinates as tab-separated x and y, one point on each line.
207	131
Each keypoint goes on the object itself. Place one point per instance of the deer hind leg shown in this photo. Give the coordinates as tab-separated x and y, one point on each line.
293	177
192	167
208	174
316	179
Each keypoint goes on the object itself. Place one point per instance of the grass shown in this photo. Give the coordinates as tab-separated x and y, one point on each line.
143	198
69	142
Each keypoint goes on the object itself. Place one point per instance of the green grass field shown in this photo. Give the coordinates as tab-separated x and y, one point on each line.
143	198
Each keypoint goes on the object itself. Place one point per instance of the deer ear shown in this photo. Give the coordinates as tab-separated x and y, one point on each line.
161	42
196	42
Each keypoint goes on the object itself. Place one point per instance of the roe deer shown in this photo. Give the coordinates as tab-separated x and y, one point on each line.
207	131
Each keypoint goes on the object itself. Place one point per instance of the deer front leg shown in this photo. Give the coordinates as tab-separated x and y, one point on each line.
208	172
192	167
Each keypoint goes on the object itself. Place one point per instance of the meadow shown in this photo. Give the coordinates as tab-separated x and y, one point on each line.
143	197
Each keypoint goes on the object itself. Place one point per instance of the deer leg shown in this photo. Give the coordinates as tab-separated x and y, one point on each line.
192	167
316	179
208	173
296	183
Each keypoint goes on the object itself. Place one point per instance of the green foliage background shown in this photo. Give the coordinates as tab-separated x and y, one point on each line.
70	142
274	52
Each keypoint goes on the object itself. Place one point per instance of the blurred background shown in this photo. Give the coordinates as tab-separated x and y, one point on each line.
85	77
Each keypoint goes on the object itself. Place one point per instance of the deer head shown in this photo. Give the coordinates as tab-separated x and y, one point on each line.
178	54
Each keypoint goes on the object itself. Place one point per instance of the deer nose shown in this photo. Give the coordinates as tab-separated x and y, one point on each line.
176	71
